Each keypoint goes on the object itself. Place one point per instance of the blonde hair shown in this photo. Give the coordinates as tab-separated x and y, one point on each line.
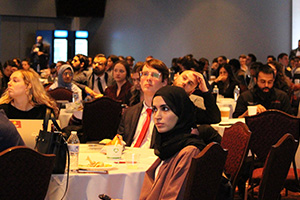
37	95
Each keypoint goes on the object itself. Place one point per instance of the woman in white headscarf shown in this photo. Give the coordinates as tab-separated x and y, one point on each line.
65	78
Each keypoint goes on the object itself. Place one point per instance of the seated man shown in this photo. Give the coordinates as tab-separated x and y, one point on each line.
208	113
263	95
137	124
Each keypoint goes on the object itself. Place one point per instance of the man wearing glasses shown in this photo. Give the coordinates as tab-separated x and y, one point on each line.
264	96
137	122
98	79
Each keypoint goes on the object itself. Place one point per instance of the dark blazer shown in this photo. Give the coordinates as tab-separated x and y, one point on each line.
129	123
86	78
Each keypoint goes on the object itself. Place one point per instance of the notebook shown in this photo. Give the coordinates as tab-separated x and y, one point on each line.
28	129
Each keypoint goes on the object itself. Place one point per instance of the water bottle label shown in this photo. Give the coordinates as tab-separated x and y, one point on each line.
73	148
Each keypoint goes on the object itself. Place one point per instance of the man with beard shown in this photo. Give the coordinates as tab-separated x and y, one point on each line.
263	95
97	80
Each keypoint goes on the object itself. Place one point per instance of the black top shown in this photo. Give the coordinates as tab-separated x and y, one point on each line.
37	112
277	99
9	135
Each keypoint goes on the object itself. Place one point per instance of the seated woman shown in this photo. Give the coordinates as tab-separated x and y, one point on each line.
65	78
120	91
173	114
25	97
225	81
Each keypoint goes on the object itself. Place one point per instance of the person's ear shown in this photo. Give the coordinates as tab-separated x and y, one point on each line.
165	82
255	80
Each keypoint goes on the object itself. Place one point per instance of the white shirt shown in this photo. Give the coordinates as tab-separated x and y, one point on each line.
147	140
103	83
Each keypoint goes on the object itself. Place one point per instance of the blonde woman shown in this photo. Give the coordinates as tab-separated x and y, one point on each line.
25	97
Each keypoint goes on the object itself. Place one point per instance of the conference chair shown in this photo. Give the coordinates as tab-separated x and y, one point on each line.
100	119
24	173
235	139
276	168
267	128
205	173
60	93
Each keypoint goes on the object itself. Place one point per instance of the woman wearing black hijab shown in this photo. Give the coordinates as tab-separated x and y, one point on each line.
175	146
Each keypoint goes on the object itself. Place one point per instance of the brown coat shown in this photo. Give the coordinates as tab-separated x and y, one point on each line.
171	178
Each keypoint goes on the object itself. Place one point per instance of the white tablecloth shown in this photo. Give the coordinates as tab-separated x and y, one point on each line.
64	117
119	183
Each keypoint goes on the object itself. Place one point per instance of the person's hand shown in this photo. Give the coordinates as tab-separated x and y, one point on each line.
40	53
260	108
92	93
201	82
220	78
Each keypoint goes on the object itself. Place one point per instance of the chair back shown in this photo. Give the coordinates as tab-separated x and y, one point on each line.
267	128
24	173
61	94
205	173
276	168
100	119
235	139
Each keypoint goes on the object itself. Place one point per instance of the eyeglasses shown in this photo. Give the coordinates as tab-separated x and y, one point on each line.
99	63
68	73
152	74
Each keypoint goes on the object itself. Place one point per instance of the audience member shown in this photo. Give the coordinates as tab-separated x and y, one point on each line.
283	59
95	82
214	68
295	52
153	76
6	72
130	60
17	62
250	59
175	146
9	135
242	60
137	94
25	97
65	77
263	95
120	91
26	63
226	81
238	73
207	112
271	58
111	60
281	82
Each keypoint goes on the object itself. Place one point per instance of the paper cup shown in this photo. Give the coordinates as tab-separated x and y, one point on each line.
225	112
252	110
114	152
132	160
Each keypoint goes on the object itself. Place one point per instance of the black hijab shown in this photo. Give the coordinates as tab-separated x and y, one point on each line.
169	143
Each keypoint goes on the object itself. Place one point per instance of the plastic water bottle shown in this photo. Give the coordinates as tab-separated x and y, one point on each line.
73	146
75	97
236	92
215	92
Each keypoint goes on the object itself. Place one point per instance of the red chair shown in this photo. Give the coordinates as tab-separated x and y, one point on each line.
61	94
24	173
235	140
275	170
205	173
267	128
100	119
